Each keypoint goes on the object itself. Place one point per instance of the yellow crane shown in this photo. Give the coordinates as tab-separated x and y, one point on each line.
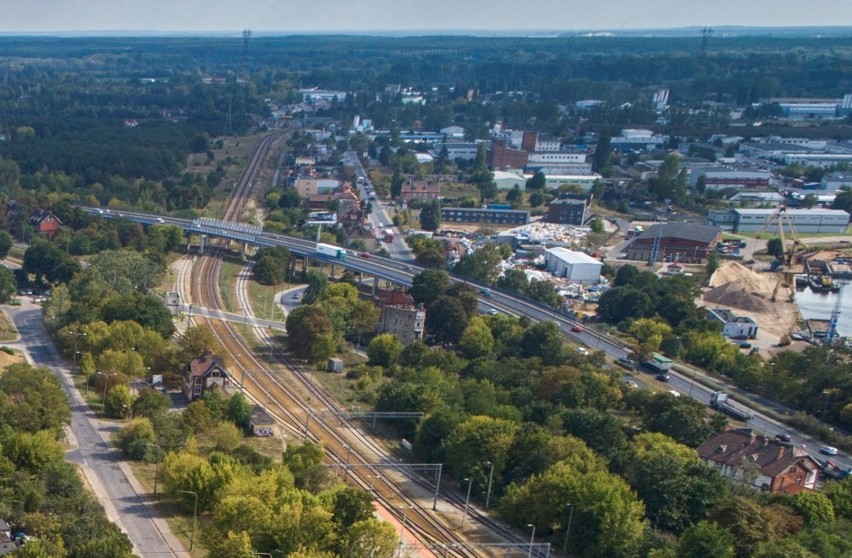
789	266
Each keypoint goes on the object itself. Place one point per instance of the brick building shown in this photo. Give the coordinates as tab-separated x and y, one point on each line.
419	190
686	241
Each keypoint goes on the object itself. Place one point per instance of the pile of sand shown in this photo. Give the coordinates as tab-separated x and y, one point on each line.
737	294
733	271
739	287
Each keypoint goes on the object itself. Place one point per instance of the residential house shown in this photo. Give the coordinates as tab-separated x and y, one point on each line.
45	222
419	190
202	374
756	460
400	316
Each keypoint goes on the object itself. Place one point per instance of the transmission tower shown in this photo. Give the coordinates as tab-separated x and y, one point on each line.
705	37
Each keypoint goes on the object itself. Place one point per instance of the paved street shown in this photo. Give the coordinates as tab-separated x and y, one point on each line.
125	501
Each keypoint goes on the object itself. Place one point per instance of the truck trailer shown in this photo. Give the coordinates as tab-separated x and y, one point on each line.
331	251
720	401
388	234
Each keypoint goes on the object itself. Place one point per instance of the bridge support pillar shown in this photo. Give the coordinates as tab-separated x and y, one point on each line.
203	242
244	251
375	285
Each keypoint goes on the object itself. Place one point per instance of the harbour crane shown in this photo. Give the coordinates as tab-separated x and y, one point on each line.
788	266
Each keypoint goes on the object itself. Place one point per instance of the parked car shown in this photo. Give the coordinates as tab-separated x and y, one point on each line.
631	384
828	450
664	377
745	345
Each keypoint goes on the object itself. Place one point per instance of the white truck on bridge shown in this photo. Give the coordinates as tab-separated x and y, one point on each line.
331	251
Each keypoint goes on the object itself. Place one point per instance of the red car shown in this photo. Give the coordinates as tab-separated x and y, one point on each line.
365	254
577	329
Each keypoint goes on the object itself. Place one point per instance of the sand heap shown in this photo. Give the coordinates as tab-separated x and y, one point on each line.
737	286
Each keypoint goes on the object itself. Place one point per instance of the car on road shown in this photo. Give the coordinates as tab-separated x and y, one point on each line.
664	377
631	384
577	329
828	450
582	350
365	254
295	296
493	312
485	292
627	360
783	437
160	220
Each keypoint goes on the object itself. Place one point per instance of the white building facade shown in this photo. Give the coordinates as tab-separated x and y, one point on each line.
574	266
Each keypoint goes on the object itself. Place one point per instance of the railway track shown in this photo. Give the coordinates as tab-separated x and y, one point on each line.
294	399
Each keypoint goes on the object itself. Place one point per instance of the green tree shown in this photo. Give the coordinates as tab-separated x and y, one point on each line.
430	216
119	402
8	284
745	520
271	265
317	283
481	265
840	494
239	410
601	156
706	539
371	538
384	350
134	440
146	310
670	181
815	508
774	247
514	280
677	488
712	262
446	319
305	325
597	226
352	505
150	402
34	400
6	242
476	339
607	516
536	182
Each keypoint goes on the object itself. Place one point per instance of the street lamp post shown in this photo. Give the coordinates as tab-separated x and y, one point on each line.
106	388
194	517
532	540
490	477
401	533
77	336
568	530
467	500
157	469
827	394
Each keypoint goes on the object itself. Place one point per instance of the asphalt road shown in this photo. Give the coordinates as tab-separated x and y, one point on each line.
398	249
124	501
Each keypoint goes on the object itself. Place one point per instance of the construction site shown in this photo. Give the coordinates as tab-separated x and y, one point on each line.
798	300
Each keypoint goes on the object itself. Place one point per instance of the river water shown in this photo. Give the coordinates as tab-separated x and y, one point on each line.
818	306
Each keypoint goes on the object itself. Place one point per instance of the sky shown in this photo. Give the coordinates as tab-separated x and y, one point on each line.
404	16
